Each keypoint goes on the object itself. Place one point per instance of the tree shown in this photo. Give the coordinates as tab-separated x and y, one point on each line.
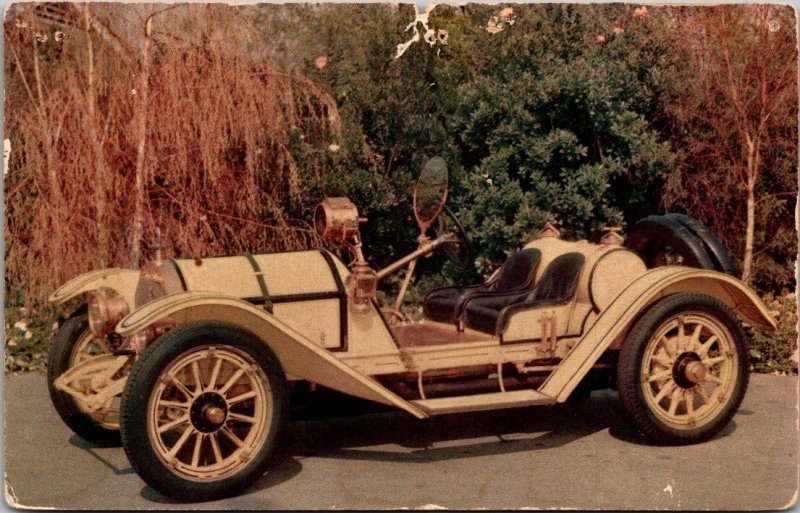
561	122
200	140
736	117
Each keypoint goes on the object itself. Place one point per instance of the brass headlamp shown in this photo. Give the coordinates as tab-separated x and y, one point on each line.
105	309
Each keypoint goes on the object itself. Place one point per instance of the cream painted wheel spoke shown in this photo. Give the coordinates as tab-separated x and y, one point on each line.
198	444
666	389
679	342
688	398
665	343
180	386
170	425
706	346
233	379
215	447
241	418
233	438
662	361
181	441
702	393
242	397
674	400
212	383
713	379
713	361
174	404
196	375
660	376
694	340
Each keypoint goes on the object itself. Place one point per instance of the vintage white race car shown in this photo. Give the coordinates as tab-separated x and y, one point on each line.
191	360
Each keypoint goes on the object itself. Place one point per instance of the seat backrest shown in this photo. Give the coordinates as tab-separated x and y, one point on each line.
560	279
518	271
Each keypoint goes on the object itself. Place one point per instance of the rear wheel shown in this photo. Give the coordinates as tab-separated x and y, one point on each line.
661	240
201	411
716	249
74	344
683	369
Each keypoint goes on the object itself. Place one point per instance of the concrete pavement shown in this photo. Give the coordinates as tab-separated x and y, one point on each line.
581	455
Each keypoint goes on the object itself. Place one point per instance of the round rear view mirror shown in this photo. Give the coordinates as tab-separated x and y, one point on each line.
430	192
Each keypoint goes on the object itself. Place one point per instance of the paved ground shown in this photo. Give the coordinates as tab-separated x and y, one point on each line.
581	455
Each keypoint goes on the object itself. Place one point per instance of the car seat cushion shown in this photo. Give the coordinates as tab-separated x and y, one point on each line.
440	304
517	273
557	285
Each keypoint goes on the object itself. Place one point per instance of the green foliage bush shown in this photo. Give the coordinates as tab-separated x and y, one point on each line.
27	338
775	352
558	127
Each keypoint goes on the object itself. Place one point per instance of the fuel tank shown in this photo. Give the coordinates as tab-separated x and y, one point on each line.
297	287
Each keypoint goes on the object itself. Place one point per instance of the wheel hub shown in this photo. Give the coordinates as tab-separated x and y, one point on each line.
208	412
688	370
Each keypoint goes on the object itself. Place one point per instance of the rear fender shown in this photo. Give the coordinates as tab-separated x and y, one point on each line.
122	281
614	321
299	356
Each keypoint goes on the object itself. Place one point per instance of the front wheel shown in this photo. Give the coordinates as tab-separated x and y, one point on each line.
683	369
74	344
202	410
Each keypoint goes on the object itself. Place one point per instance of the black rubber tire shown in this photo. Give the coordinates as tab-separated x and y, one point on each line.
629	369
144	376
716	249
58	362
652	233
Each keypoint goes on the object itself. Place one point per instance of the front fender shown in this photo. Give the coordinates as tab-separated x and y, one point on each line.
122	281
655	284
298	355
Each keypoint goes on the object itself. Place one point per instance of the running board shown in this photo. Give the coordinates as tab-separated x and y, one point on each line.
481	402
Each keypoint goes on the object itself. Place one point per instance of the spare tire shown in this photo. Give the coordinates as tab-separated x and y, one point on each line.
660	240
715	248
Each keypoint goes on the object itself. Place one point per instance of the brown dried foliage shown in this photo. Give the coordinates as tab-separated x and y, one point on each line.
221	126
737	118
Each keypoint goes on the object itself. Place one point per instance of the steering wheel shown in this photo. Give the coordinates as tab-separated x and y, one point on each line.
458	252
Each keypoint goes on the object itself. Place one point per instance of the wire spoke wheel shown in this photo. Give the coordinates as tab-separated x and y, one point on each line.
689	369
210	412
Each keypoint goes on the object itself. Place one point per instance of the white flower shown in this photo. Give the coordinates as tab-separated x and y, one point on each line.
489	181
28	335
58	36
133	92
334	147
11	342
493	27
22	326
41	37
774	25
54	327
430	37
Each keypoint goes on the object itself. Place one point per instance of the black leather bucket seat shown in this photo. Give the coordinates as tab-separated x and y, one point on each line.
556	286
516	274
